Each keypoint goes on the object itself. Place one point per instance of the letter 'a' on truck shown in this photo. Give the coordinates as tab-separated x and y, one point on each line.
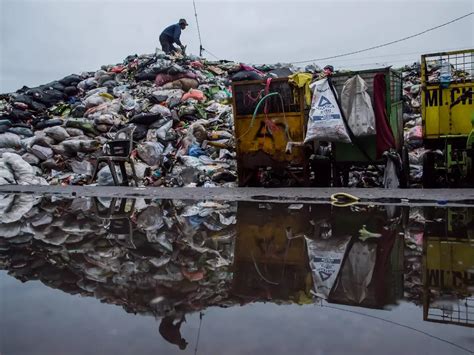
448	118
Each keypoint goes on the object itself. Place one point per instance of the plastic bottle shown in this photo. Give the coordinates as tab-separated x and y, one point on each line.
445	75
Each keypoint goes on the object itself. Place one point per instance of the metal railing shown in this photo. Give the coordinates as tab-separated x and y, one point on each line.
461	64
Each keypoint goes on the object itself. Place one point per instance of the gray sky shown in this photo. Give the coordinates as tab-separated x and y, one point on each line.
44	40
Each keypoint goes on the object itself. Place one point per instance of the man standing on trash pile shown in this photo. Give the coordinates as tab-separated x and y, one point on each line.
171	332
171	35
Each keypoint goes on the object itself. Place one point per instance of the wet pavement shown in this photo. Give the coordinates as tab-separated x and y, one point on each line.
97	275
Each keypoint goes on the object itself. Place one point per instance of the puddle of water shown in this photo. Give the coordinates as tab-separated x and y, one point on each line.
103	275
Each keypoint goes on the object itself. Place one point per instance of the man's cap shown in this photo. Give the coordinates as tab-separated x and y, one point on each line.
183	22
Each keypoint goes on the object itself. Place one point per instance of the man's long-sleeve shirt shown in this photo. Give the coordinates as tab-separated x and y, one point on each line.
173	32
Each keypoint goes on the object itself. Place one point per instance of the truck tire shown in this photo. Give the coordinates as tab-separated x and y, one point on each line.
429	171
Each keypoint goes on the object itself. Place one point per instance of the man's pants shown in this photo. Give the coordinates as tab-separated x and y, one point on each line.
167	44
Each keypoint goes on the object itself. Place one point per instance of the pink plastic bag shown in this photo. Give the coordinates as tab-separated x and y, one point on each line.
193	94
197	64
415	133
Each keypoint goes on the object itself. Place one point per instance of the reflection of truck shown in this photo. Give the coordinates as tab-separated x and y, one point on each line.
448	267
270	260
447	116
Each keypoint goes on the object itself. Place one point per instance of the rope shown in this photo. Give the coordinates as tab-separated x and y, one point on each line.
201	314
400	325
199	30
259	273
385	44
213	55
256	111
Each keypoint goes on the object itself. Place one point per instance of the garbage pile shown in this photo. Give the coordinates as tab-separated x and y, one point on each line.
149	259
413	133
179	107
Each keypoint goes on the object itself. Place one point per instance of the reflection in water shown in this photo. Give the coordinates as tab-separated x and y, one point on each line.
171	258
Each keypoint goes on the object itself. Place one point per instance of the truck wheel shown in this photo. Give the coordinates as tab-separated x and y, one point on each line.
429	171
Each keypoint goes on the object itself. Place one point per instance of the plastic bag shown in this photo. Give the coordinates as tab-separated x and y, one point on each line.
390	177
14	207
6	176
31	159
81	167
42	153
414	134
162	110
94	100
357	107
58	133
163	130
191	161
325	261
9	140
83	124
193	94
325	120
21	131
196	151
104	176
358	270
77	145
246	75
23	172
145	118
150	152
183	84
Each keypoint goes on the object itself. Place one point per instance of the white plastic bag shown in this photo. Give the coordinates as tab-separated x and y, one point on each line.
23	173
325	120
390	177
357	107
325	261
357	272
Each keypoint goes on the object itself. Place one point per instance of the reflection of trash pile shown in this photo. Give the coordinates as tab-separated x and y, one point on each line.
413	278
162	257
180	109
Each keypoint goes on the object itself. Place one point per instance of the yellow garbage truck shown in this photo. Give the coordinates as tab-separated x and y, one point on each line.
447	81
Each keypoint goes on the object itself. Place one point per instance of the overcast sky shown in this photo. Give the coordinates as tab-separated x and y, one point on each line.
44	40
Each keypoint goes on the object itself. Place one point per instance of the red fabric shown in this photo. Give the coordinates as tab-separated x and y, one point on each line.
382	266
384	138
